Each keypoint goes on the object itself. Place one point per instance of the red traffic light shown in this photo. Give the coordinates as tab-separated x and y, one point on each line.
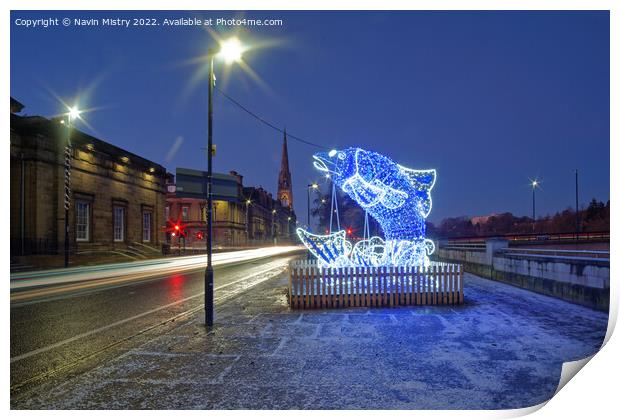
199	235
177	227
349	231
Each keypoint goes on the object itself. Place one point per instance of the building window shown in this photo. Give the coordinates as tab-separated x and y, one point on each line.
185	212
119	224
167	213
203	213
82	221
146	226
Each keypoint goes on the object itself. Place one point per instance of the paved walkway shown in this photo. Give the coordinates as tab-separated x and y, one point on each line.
503	349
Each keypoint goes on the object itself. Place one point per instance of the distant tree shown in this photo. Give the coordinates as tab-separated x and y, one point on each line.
350	214
593	218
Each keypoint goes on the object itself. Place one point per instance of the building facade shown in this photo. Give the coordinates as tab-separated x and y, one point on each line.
116	199
242	216
186	216
268	220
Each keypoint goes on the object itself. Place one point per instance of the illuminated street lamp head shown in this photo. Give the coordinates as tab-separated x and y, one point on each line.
248	201
534	183
273	211
231	50
73	113
314	185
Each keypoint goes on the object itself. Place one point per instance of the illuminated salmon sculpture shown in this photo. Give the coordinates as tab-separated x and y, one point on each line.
398	198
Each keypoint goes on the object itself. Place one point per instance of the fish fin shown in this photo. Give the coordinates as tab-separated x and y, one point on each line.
422	180
426	203
364	193
369	252
393	198
331	250
430	246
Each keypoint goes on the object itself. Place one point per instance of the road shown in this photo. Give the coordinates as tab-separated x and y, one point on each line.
68	323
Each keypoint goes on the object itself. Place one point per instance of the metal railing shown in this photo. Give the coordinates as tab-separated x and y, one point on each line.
566	253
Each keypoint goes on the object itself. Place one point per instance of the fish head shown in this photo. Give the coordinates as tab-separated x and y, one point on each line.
365	176
338	164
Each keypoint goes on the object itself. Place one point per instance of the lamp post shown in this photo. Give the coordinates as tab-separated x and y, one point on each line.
288	227
534	185
577	227
231	51
313	186
247	221
273	225
72	114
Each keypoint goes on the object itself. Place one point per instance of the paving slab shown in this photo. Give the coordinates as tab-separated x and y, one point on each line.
503	348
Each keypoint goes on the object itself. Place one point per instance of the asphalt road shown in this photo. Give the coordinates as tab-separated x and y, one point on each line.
66	331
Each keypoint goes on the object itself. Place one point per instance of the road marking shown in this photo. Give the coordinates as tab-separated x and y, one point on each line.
132	318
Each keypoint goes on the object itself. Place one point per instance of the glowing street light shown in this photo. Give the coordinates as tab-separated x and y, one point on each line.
534	184
273	225
313	186
73	113
231	51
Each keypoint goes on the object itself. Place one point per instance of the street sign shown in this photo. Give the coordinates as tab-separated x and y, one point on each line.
193	184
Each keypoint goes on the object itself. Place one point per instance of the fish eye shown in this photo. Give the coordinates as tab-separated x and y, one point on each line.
341	156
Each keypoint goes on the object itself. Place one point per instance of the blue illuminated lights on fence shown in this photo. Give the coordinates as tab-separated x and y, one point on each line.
398	198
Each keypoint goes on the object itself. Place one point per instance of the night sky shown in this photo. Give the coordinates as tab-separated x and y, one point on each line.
489	99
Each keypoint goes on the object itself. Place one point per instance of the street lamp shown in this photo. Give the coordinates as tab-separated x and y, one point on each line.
288	227
313	186
577	227
231	51
247	221
534	185
273	225
72	114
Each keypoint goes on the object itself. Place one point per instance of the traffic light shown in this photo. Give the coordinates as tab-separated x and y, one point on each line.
176	229
199	235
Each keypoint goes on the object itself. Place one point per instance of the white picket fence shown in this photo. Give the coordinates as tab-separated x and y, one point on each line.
314	287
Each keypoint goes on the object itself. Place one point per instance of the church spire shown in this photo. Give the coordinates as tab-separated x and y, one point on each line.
285	185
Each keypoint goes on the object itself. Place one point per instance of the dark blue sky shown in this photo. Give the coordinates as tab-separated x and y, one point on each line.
489	99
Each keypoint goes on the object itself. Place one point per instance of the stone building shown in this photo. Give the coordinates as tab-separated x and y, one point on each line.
242	216
268	220
117	198
186	208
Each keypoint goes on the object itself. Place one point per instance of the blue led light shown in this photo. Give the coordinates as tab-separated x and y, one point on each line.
398	198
